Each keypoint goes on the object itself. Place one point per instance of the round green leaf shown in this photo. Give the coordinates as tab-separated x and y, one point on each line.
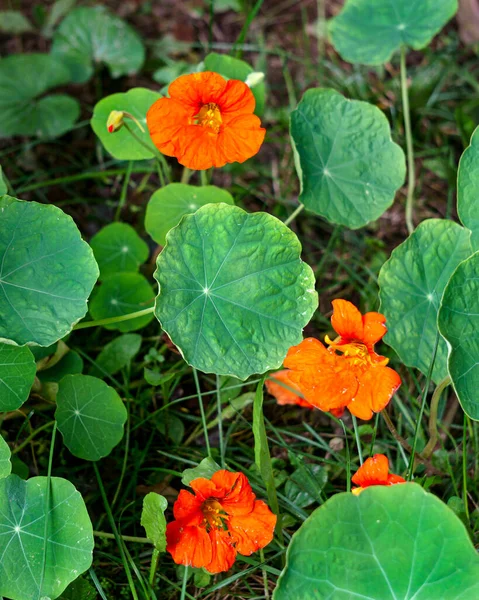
23	111
46	272
349	167
370	31
22	533
5	464
122	294
468	188
153	519
121	144
92	35
169	204
90	416
234	293
118	248
388	543
117	354
17	374
411	285
459	324
234	68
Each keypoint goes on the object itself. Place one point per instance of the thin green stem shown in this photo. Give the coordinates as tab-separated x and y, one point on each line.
124	190
244	31
348	458
294	214
31	436
409	147
158	155
375	432
119	319
125	457
185	176
464	467
125	538
265	576
185	581
429	449
202	411
47	510
153	566
358	439
320	35
220	422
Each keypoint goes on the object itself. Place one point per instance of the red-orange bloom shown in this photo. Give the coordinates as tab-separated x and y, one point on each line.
222	518
206	122
374	471
282	394
348	373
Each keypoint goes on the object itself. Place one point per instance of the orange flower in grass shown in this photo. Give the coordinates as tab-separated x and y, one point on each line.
221	519
348	373
206	122
374	471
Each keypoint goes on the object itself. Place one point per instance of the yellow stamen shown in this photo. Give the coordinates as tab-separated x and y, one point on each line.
357	352
213	513
209	116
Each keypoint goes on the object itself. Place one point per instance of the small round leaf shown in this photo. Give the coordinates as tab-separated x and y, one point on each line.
118	248
5	464
17	374
459	324
22	526
122	294
388	543
46	272
117	354
370	31
23	111
411	285
90	35
234	293
349	167
90	416
121	144
169	204
468	188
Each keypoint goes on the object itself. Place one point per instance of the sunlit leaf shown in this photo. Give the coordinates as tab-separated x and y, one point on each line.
411	285
459	324
349	167
234	293
92	35
17	373
468	188
22	524
153	519
388	543
369	32
47	272
170	203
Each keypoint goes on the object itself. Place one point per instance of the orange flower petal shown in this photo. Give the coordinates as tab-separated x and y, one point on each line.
166	119
393	479
237	98
253	531
187	508
197	89
282	394
347	321
223	552
374	328
197	148
239	139
205	488
189	546
307	354
238	497
377	386
374	471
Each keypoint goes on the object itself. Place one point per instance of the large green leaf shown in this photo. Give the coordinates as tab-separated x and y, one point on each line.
370	31
46	272
459	324
153	519
411	285
349	167
118	248
468	188
121	144
92	35
169	204
25	110
234	293
90	416
17	374
122	294
22	533
5	464
234	68
388	543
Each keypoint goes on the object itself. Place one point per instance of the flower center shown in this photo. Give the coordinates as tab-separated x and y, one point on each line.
209	116
213	513
356	352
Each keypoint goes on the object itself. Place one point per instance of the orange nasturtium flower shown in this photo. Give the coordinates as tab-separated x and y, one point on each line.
222	518
206	122
374	471
348	373
282	394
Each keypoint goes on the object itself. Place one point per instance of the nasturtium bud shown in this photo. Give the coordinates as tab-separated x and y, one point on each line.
254	79
115	120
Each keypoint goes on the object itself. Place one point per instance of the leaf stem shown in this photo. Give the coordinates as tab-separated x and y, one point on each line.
464	467
185	581
153	566
31	436
409	146
124	190
156	153
220	422
126	538
429	449
294	214
110	320
358	439
202	411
